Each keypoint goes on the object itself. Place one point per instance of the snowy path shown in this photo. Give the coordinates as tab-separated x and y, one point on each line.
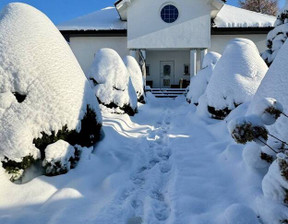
163	166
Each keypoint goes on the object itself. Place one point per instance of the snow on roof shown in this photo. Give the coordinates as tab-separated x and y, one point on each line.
104	19
230	17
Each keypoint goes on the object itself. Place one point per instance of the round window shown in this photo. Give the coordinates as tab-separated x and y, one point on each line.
169	13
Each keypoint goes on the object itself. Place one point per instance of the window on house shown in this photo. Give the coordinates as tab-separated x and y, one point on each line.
169	13
186	70
147	70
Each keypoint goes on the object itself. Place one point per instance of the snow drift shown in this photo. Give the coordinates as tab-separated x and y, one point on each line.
111	82
136	77
235	78
44	95
198	83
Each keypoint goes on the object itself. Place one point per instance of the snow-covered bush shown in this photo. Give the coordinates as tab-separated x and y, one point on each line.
275	183
247	129
274	85
235	78
60	157
111	82
277	36
198	83
254	157
136	77
268	109
52	98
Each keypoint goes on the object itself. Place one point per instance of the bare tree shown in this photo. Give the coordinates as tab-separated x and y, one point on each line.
269	7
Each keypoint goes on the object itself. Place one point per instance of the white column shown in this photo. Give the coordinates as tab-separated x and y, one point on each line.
203	53
142	62
193	62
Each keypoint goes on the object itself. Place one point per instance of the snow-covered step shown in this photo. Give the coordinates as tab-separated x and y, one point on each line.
167	92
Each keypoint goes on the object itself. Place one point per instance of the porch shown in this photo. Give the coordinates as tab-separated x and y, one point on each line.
169	68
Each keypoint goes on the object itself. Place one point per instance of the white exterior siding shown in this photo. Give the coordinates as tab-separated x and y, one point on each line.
85	48
219	42
147	30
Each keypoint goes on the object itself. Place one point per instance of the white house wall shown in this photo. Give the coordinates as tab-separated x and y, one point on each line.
85	48
220	41
147	30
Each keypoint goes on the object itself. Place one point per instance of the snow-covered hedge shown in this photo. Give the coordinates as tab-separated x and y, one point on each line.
198	83
44	95
277	36
235	78
135	73
111	82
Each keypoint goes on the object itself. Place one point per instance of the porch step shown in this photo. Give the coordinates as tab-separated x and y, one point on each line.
167	92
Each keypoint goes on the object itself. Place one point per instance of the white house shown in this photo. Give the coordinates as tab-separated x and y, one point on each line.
170	36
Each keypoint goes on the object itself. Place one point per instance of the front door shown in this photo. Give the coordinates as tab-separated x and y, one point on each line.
166	74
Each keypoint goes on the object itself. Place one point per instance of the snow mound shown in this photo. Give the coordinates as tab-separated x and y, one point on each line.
198	83
111	81
231	16
236	76
211	58
58	157
274	85
51	93
275	182
240	214
136	77
252	156
104	19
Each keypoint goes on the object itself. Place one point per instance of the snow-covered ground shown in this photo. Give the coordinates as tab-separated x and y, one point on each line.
164	165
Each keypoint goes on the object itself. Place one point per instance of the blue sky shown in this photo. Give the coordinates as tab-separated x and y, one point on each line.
63	10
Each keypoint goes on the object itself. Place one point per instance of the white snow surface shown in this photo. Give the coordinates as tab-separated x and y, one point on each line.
104	19
236	76
274	85
114	84
135	74
198	83
231	16
164	165
36	61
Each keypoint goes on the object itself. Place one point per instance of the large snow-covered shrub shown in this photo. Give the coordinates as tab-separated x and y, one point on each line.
111	82
136	77
277	36
198	83
274	85
44	95
235	78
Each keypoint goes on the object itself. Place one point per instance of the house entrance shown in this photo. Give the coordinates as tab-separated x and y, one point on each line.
166	73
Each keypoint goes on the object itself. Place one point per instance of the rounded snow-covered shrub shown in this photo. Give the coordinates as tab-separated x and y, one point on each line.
235	78
275	182
268	109
135	73
240	214
198	83
111	82
247	129
52	98
274	85
254	157
60	157
276	37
